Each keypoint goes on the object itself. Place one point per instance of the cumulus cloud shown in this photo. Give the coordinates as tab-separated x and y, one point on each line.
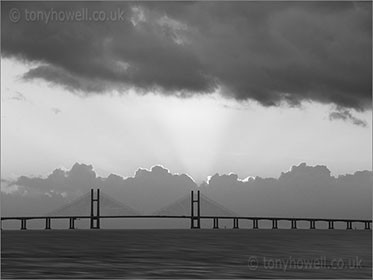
145	191
302	191
270	52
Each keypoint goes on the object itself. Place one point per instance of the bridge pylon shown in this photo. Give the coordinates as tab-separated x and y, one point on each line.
195	217
95	215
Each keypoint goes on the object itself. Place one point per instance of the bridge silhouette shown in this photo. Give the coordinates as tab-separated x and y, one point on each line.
96	206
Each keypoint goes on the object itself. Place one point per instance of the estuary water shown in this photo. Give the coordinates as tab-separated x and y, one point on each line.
205	253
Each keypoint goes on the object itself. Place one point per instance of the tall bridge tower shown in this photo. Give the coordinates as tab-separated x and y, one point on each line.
95	215
195	218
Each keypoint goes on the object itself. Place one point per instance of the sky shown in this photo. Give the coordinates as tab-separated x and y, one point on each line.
200	88
45	127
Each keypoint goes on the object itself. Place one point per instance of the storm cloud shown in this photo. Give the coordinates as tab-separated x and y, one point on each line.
345	115
271	52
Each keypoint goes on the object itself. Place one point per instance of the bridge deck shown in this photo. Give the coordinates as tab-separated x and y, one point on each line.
188	217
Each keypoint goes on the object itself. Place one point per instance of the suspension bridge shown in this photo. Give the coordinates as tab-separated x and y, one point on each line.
96	206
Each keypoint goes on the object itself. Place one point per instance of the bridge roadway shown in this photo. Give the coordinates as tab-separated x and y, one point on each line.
215	219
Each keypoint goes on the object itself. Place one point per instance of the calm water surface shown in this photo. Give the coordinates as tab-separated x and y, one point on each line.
186	254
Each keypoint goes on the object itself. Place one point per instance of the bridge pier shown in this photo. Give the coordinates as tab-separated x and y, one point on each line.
48	223
331	224
216	223
255	224
274	224
235	223
312	224
23	224
366	225
349	225
293	224
71	223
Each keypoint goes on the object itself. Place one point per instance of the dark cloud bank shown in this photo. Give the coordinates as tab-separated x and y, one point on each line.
269	52
303	191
